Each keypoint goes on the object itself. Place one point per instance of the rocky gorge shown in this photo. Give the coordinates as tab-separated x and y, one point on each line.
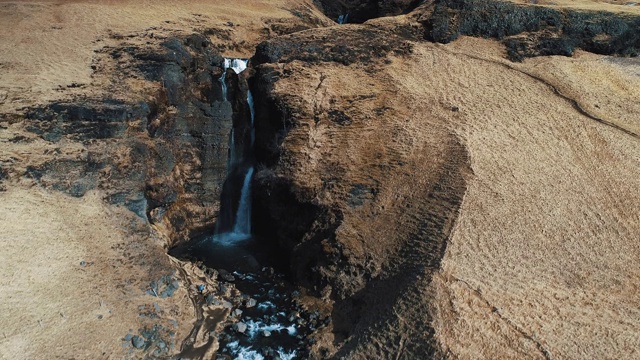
429	179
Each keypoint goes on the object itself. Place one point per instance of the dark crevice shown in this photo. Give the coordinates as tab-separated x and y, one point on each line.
359	11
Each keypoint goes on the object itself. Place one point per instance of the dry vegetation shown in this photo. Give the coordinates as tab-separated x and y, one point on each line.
541	260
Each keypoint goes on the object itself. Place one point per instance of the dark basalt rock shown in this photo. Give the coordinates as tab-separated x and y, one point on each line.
354	47
362	10
185	125
306	232
85	119
533	30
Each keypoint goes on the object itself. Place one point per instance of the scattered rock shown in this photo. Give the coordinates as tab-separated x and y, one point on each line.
266	333
237	312
164	287
226	276
240	327
251	303
137	342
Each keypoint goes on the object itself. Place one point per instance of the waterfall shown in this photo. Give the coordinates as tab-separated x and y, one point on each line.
243	216
236	227
342	19
237	65
223	81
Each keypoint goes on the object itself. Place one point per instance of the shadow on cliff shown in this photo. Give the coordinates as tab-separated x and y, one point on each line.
359	11
378	309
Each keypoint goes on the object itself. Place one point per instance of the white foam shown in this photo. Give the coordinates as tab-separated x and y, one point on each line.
237	65
266	305
242	352
256	327
286	356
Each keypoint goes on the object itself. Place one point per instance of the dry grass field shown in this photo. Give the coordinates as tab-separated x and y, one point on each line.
542	259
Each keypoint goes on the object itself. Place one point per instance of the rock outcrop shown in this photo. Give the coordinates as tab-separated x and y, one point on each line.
361	196
532	30
164	158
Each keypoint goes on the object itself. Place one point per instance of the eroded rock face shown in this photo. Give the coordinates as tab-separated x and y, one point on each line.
361	199
164	158
532	30
360	193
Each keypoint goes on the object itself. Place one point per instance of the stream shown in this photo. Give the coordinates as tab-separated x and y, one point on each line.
271	324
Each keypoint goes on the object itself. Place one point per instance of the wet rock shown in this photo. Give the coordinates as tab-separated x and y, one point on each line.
266	333
224	289
211	300
251	303
240	327
226	276
237	312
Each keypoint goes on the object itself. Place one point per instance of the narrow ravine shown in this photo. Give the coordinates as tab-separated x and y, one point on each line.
265	318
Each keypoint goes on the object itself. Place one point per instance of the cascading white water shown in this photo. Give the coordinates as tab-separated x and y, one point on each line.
342	19
243	216
224	84
237	65
241	229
